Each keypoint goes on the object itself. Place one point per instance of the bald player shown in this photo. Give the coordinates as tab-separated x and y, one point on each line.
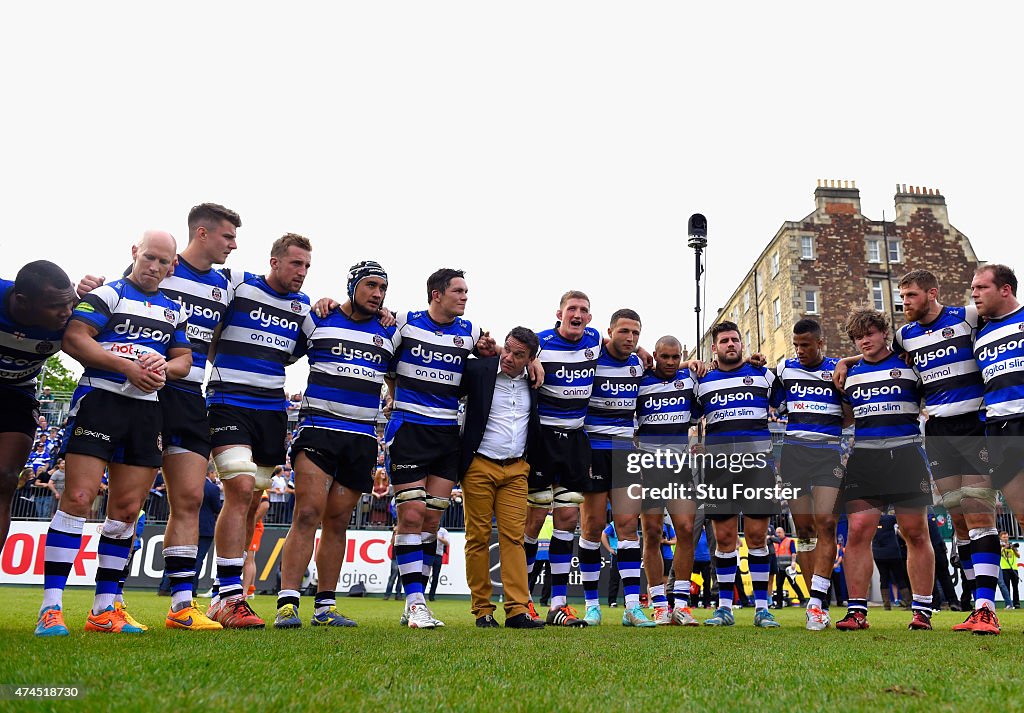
130	338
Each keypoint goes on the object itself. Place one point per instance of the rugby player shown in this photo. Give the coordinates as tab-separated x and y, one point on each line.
734	398
887	467
999	351
259	334
204	292
560	469
811	461
938	343
422	435
335	452
33	312
609	425
663	418
130	338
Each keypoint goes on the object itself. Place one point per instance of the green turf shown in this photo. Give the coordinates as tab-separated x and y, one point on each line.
380	666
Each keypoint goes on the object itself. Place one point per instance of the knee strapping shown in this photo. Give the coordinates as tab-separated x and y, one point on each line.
117	530
234	462
539	498
412	495
264	477
565	498
985	495
952	499
437	504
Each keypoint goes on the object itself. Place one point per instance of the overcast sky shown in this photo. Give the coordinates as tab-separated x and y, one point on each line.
540	146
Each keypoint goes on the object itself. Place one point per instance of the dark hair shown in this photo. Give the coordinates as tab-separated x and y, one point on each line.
922	278
623	314
36	276
862	320
527	337
808	326
280	247
440	280
208	215
667	341
1001	275
725	326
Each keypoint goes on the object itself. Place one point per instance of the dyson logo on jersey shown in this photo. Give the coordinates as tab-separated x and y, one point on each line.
864	393
801	391
726	399
571	375
428	356
924	359
272	320
614	389
987	353
341	350
190	311
132	331
659	404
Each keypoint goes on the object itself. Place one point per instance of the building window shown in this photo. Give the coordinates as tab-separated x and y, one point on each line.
878	295
874	250
777	309
897	301
895	251
735	313
806	247
746	300
811	301
760	325
747	338
775	263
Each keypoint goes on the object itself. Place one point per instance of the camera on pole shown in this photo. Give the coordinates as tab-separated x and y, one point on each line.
697	229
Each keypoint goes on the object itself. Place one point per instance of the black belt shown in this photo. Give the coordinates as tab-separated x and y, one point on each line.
501	461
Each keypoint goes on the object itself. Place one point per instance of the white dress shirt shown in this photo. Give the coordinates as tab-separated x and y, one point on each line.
505	431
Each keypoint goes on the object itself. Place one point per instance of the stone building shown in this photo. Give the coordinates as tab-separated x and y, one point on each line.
836	259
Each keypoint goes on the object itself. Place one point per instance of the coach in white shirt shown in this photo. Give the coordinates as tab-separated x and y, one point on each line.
501	420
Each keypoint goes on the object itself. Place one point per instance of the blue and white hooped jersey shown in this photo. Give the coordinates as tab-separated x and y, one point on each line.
943	354
348	360
886	399
814	406
428	365
23	350
611	413
999	351
569	370
261	335
663	411
735	407
131	323
204	296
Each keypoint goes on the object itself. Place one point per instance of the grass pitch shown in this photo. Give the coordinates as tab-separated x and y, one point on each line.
380	666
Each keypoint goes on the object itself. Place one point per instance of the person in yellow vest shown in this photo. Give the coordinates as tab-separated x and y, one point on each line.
1008	571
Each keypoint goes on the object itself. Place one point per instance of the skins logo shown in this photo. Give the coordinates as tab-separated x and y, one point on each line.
747	381
983	455
926	486
378	340
44	347
632	371
895	373
216	294
947	333
169	315
159	443
838	471
589	354
458	341
296	306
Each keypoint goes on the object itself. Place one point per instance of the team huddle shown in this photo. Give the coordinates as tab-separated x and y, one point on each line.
149	341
